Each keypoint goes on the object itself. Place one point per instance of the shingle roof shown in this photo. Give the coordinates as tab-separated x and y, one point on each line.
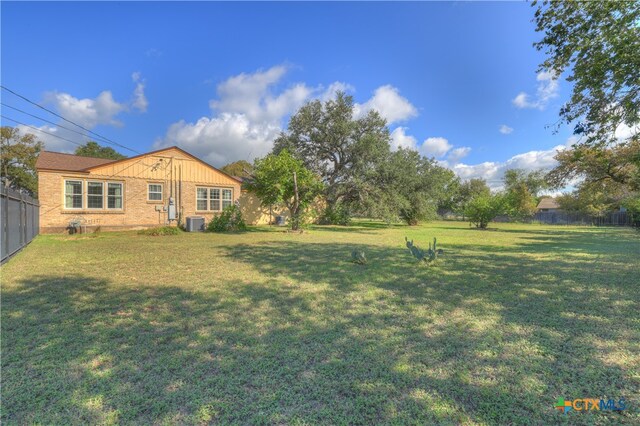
548	203
49	160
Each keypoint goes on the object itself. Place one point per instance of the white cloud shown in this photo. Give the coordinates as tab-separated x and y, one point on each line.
435	147
547	89
493	172
88	112
153	53
246	117
399	138
455	155
251	95
249	112
139	99
334	88
222	139
50	135
505	130
101	110
388	102
624	132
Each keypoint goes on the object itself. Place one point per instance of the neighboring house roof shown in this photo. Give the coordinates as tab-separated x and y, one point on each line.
548	203
48	160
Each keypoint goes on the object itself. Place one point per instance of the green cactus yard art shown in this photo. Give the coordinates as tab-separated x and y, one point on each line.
428	256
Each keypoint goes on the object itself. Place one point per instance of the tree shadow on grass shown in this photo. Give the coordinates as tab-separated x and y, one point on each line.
560	326
480	338
77	350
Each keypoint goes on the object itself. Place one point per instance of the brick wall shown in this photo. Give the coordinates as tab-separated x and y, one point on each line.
137	211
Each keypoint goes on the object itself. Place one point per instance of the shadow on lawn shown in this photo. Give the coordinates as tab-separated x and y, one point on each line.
562	326
481	338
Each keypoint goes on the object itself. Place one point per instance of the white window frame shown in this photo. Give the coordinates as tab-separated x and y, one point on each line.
149	192
64	194
209	199
84	195
225	200
206	199
121	196
89	182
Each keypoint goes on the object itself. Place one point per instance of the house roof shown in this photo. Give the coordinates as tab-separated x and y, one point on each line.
548	203
168	149
48	160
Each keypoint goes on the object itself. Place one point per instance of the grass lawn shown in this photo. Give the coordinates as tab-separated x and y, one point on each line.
267	327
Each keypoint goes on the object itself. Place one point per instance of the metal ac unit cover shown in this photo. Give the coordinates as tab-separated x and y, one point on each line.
195	223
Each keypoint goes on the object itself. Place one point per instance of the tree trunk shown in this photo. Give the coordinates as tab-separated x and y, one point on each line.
295	211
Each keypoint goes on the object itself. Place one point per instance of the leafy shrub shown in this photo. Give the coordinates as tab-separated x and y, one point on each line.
160	231
418	209
230	220
336	215
483	209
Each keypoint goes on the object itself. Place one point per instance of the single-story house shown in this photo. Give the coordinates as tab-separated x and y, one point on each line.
548	204
157	188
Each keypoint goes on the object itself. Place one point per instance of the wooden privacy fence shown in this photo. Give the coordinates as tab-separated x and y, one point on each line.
20	215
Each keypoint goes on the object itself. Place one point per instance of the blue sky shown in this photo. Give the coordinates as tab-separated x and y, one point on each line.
221	79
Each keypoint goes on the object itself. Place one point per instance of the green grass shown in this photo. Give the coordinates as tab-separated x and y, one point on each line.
266	327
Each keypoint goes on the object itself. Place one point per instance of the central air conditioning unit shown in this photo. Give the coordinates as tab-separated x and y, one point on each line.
195	224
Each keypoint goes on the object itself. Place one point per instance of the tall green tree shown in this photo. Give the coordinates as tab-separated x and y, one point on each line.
343	150
18	160
240	168
617	163
283	179
595	198
93	149
410	187
521	191
597	43
467	191
606	178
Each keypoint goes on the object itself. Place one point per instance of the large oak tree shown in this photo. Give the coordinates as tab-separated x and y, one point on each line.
338	146
18	155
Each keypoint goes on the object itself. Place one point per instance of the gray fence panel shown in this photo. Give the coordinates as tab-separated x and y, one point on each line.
20	221
566	218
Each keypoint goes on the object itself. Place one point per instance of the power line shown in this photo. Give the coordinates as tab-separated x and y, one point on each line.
40	130
45	120
69	121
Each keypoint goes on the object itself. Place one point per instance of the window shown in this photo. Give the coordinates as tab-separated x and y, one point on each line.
214	195
73	194
226	198
155	192
201	198
94	195
114	196
213	199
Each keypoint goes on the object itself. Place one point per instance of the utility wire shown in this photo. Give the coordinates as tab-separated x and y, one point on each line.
39	130
45	120
69	121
